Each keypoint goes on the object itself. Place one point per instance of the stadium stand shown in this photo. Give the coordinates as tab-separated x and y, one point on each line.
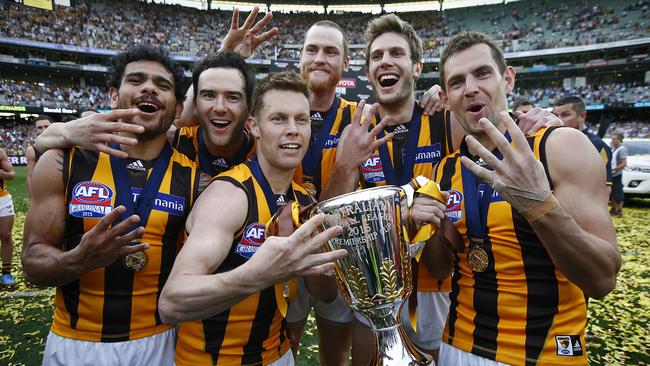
48	94
186	31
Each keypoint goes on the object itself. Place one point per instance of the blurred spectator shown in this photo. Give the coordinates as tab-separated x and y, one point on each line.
522	105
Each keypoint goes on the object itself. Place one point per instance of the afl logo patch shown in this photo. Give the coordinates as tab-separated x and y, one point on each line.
90	200
454	210
253	236
372	169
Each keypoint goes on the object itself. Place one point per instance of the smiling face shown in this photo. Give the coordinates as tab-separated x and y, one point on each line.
475	88
391	71
148	86
282	128
221	107
322	60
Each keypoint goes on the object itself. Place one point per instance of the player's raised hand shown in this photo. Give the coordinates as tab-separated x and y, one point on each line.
359	140
519	178
245	39
96	131
431	102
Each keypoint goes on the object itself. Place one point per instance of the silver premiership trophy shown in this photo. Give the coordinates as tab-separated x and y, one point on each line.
375	277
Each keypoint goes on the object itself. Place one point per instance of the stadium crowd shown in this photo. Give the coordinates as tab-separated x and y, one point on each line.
14	138
52	95
610	94
187	31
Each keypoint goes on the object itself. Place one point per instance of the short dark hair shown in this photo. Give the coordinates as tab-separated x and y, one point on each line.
286	80
226	60
465	40
42	117
331	24
521	101
144	52
391	23
619	135
578	103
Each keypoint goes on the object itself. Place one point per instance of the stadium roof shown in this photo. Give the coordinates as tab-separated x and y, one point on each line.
335	5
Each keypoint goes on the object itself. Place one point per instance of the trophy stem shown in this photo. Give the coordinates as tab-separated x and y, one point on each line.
391	342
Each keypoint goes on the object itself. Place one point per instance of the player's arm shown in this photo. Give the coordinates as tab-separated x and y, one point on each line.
45	262
93	132
193	291
30	154
572	221
358	141
6	169
578	233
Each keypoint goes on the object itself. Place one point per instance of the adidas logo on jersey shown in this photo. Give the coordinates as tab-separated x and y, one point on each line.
220	162
136	166
280	201
316	116
400	129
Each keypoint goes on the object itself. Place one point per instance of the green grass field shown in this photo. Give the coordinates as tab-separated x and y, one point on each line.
617	333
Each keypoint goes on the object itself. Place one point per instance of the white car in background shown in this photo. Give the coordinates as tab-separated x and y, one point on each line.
636	176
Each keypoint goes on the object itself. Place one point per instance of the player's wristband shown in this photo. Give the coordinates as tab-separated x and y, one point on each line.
536	212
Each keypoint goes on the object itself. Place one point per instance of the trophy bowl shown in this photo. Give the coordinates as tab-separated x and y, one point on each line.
375	277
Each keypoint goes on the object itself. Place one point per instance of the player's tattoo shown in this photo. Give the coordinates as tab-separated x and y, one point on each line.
59	160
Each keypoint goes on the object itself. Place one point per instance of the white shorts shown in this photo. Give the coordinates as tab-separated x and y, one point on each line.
432	309
285	360
157	349
335	311
452	356
6	206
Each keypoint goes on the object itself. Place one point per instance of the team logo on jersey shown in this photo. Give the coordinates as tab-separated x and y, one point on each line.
253	236
454	210
568	345
428	154
90	200
372	169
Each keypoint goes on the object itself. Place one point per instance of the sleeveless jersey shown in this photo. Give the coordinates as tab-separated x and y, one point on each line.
191	142
432	142
112	303
521	309
318	163
251	332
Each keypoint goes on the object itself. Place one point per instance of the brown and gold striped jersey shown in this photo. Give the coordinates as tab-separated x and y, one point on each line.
113	303
521	310
251	332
